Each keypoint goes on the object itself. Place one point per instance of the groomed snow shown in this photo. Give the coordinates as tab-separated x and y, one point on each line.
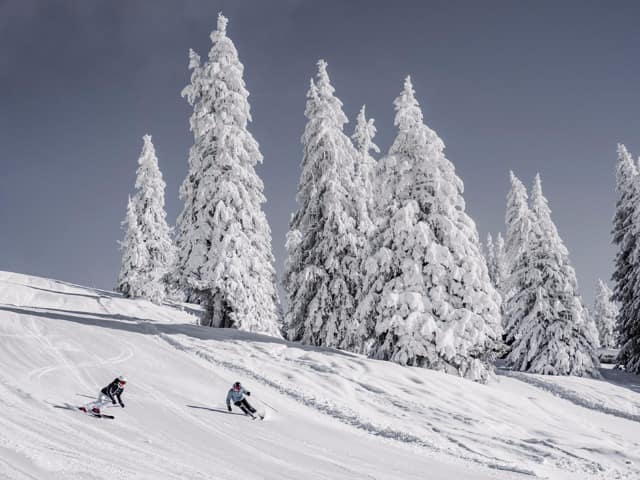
339	415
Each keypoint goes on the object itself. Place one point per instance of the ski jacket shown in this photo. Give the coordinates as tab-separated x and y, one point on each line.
236	395
113	391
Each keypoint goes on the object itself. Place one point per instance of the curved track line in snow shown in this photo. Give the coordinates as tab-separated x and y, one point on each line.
121	357
569	395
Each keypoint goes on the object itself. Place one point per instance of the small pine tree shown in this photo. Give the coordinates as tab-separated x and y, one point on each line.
496	263
490	256
429	299
323	241
554	335
135	258
224	241
501	270
145	275
605	312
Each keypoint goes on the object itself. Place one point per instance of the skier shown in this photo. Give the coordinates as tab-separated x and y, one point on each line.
108	394
237	394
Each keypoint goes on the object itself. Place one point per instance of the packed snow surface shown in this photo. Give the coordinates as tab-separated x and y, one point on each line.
332	415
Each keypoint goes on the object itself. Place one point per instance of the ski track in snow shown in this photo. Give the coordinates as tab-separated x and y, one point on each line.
568	394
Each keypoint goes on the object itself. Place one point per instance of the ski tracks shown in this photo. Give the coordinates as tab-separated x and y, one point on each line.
340	413
570	395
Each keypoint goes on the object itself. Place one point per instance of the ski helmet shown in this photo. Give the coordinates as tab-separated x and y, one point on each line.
236	386
122	379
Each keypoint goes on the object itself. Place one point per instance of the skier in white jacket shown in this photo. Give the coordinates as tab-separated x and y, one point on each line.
237	395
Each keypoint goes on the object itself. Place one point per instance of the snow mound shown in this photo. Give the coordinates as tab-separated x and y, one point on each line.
329	414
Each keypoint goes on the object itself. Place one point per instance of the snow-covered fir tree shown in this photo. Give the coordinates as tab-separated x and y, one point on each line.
429	299
605	312
365	188
148	251
490	256
365	166
224	259
626	275
518	222
496	261
554	335
501	269
321	270
131	281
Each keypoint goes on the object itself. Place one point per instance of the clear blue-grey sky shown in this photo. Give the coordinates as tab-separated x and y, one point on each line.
543	86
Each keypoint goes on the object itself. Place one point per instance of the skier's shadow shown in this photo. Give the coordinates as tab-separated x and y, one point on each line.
66	406
216	410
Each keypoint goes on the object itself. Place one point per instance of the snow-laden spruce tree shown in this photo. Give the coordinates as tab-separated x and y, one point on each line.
365	166
496	261
626	275
605	312
148	252
500	269
429	299
321	270
518	222
490	256
224	242
365	185
554	335
135	258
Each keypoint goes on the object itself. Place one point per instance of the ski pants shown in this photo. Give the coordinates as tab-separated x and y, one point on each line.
245	406
100	402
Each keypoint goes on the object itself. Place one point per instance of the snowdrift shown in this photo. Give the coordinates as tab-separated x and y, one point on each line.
331	414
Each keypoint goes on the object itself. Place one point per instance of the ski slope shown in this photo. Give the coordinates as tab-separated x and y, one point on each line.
339	415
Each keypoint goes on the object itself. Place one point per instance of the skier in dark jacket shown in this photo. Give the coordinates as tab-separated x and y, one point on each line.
108	394
237	395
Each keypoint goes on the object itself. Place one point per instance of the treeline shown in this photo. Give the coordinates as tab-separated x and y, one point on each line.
382	258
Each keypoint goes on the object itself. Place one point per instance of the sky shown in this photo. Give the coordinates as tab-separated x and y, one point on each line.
544	86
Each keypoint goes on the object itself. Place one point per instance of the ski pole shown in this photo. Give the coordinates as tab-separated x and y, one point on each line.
265	403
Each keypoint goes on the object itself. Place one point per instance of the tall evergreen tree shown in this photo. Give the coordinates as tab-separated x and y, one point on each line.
322	265
496	261
225	260
518	222
554	335
501	268
365	185
490	256
626	275
365	166
429	299
148	250
605	312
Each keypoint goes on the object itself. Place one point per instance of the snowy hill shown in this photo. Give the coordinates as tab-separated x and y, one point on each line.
339	415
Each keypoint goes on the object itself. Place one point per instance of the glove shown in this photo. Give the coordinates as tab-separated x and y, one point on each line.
248	394
229	407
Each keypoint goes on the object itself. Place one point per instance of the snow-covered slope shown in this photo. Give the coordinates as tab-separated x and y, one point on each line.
339	416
